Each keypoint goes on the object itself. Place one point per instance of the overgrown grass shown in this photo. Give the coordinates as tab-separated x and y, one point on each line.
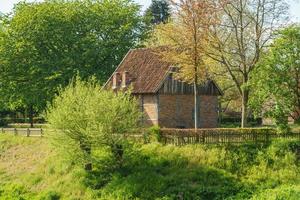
30	168
295	127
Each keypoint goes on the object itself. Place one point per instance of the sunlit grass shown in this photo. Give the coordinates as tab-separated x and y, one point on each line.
30	168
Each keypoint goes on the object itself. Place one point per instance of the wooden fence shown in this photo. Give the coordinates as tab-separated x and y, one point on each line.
29	132
219	136
189	136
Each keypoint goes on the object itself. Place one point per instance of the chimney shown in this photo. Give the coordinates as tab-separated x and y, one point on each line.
125	79
115	84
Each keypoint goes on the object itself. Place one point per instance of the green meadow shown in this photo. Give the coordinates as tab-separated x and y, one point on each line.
31	168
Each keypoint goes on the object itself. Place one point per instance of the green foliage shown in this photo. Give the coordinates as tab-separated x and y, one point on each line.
88	120
154	171
281	193
3	122
276	78
152	134
159	11
44	44
14	192
49	195
281	119
178	132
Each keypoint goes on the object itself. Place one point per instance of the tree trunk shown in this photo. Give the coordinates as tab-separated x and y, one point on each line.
245	98
118	151
31	113
196	105
87	149
220	112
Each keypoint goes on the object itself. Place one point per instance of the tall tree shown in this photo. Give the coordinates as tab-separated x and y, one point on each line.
47	43
159	11
276	79
237	43
186	37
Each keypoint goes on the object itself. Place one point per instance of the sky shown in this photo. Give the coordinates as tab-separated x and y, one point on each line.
7	5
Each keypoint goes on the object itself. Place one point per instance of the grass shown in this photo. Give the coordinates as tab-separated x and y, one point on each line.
295	127
30	168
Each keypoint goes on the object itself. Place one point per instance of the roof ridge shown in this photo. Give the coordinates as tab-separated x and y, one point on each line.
148	48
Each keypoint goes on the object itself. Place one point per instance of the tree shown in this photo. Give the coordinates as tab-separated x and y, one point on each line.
159	11
47	43
276	79
84	118
238	42
186	38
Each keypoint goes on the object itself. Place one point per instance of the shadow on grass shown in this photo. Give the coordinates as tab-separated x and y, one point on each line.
161	177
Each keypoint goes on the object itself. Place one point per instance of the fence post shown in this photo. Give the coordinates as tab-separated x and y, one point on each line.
28	132
267	137
15	131
41	132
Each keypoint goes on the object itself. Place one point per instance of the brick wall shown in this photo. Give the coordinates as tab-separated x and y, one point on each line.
208	111
148	105
173	111
177	111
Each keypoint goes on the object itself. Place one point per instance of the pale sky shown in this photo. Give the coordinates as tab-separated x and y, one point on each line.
7	5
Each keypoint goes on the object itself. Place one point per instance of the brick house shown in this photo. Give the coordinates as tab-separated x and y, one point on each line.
165	101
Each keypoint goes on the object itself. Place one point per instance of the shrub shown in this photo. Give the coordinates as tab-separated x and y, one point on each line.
49	195
3	122
14	192
172	131
152	134
86	118
279	193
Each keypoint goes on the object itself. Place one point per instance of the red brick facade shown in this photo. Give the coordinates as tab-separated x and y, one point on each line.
176	111
164	100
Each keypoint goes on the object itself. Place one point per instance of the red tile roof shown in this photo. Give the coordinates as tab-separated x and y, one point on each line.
147	71
145	68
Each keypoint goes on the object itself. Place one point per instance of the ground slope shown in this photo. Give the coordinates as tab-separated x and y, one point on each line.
30	168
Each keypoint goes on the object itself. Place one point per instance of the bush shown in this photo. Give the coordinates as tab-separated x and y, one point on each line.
153	171
180	132
152	134
284	192
87	119
237	120
49	195
14	192
3	122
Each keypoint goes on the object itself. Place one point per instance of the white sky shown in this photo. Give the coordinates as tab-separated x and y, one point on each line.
7	5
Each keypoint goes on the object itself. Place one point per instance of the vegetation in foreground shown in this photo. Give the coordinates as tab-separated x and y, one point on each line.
31	168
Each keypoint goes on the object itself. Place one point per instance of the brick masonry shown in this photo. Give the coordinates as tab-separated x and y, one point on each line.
173	111
148	105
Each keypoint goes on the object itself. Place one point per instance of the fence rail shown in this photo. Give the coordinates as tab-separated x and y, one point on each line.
188	136
219	136
29	132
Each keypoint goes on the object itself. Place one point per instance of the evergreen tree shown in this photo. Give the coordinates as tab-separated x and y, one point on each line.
159	11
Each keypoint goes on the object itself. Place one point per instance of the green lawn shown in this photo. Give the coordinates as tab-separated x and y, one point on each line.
30	168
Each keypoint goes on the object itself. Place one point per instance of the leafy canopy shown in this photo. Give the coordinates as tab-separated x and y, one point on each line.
46	43
84	119
238	41
276	79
